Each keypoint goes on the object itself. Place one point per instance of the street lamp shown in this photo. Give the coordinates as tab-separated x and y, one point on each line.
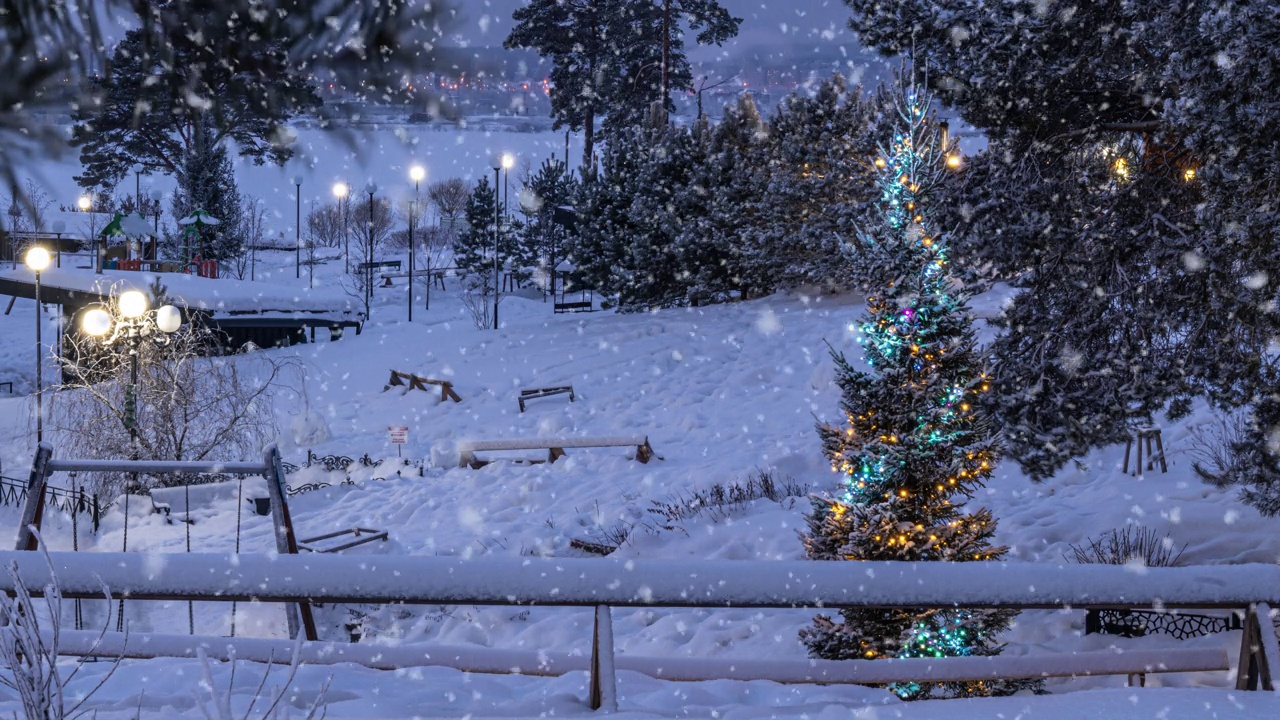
508	162
58	228
297	227
137	186
497	167
133	323
38	259
371	188
156	196
340	191
85	203
416	173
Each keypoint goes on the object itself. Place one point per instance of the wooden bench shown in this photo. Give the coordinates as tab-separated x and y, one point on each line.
414	382
433	276
544	392
570	307
555	447
361	535
379	264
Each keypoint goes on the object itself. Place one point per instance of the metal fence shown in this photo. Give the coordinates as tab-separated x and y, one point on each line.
13	493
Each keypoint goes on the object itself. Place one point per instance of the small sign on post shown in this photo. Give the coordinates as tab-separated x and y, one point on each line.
399	436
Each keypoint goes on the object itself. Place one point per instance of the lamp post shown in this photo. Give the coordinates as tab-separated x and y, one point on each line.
371	188
156	196
311	251
416	173
137	186
508	162
497	167
297	227
340	191
38	259
133	322
58	228
85	203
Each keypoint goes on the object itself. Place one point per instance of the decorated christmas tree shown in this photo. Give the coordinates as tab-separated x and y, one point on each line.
915	446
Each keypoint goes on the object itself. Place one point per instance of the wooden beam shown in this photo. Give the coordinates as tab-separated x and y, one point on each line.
443	580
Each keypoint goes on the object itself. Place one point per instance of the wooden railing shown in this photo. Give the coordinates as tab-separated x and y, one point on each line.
605	583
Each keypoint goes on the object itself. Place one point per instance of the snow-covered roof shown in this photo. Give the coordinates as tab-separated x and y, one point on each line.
218	297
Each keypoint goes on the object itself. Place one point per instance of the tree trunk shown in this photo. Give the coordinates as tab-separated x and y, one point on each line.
588	141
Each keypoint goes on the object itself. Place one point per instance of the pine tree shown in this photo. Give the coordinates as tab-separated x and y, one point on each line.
207	181
541	242
1131	186
818	188
473	248
656	269
607	56
725	193
139	115
601	249
915	446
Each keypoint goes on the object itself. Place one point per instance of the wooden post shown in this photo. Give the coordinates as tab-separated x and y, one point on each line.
33	507
286	539
604	683
1259	654
1164	467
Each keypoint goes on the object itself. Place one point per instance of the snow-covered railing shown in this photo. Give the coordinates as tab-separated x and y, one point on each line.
647	583
606	583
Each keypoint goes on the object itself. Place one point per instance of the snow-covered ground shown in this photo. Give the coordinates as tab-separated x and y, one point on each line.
721	392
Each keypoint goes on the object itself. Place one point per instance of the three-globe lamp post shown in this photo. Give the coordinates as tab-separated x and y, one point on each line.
133	322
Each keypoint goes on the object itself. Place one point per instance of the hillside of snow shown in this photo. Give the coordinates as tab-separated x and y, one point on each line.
721	392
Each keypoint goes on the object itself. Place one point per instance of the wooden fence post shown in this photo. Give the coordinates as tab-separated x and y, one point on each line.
286	539
604	683
1259	662
33	507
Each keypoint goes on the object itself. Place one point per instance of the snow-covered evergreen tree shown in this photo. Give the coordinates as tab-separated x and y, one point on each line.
1131	183
541	243
724	196
915	445
818	188
473	248
600	251
208	182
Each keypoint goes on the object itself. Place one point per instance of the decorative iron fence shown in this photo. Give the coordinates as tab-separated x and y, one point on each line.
13	493
1138	623
333	463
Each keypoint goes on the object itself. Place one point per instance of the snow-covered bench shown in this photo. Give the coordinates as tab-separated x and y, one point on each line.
554	447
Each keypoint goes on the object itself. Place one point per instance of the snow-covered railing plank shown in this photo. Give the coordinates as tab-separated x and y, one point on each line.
644	583
207	467
679	669
604	583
